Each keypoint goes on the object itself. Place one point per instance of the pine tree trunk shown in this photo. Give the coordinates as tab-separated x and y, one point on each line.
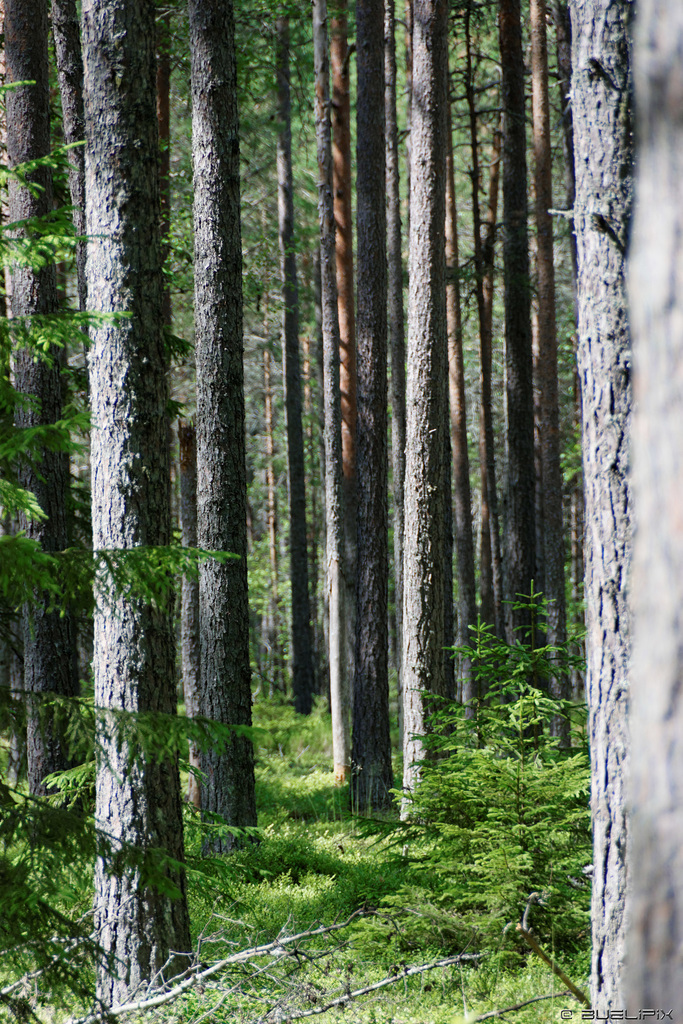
602	139
655	900
164	120
372	773
273	635
426	398
48	636
303	681
563	40
67	38
520	535
334	517
189	610
545	370
340	58
397	347
138	803
221	466
464	538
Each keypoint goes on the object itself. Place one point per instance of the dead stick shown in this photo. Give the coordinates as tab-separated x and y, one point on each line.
518	1006
531	941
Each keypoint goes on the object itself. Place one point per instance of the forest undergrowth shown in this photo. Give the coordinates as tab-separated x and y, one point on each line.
496	837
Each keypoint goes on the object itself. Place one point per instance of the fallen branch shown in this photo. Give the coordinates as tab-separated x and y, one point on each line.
518	1006
197	977
348	996
531	942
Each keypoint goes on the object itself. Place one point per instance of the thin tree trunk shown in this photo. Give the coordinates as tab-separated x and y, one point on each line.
164	120
409	99
426	398
520	527
189	610
491	583
655	909
67	38
602	137
545	370
464	539
273	636
334	517
313	535
340	58
303	681
48	636
138	798
372	777
221	465
563	39
397	347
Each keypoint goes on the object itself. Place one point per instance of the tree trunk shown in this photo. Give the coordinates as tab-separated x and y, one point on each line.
397	347
490	574
164	120
221	466
655	912
273	635
67	38
545	370
464	540
426	398
563	40
602	139
334	518
373	777
48	636
189	611
303	681
520	518
340	58
138	798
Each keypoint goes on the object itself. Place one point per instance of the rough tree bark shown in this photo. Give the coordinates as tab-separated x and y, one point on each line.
49	663
67	38
273	628
655	912
545	368
396	323
426	396
138	798
189	599
372	773
221	466
340	60
334	519
164	121
603	150
464	537
303	682
520	529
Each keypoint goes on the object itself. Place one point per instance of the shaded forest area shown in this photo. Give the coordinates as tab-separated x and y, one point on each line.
340	362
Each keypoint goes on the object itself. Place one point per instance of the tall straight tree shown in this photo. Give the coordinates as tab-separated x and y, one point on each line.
655	913
545	369
340	61
189	599
601	87
334	512
397	345
221	467
372	774
48	637
426	393
138	799
303	681
520	528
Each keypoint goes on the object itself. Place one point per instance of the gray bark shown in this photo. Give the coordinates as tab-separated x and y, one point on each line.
189	607
373	777
520	539
48	637
334	518
138	798
426	396
603	151
221	467
655	902
303	681
397	346
67	38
